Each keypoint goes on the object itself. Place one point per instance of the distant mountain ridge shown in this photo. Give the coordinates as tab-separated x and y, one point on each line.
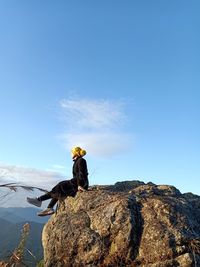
16	215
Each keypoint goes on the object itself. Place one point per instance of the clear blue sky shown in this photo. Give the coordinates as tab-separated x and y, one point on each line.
120	78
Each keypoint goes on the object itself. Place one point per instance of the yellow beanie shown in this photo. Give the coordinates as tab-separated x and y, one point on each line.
77	151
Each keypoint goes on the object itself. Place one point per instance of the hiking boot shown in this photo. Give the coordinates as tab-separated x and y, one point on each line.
34	201
48	211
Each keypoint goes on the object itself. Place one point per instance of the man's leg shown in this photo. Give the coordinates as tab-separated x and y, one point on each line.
52	203
45	197
49	210
37	201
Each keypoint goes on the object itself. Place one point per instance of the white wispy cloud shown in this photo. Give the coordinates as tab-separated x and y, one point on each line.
101	144
24	176
58	166
28	176
93	114
96	125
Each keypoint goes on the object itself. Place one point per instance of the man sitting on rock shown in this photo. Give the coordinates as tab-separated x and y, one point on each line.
79	182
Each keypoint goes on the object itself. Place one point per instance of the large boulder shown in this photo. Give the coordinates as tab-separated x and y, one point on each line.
127	224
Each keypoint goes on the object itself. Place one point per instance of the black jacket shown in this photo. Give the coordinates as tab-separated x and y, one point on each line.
70	187
80	173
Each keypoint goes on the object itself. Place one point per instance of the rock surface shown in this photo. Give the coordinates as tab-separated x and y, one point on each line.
127	224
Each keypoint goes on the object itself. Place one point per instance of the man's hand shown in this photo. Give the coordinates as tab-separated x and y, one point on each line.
81	189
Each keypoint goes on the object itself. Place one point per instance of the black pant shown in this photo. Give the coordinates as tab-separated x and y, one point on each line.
49	196
61	190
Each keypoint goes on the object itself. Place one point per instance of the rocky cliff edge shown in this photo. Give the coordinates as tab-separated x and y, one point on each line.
127	224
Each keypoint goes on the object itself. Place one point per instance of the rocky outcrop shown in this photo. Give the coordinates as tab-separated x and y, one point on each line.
127	224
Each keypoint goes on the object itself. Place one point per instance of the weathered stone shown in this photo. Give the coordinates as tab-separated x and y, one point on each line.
147	226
